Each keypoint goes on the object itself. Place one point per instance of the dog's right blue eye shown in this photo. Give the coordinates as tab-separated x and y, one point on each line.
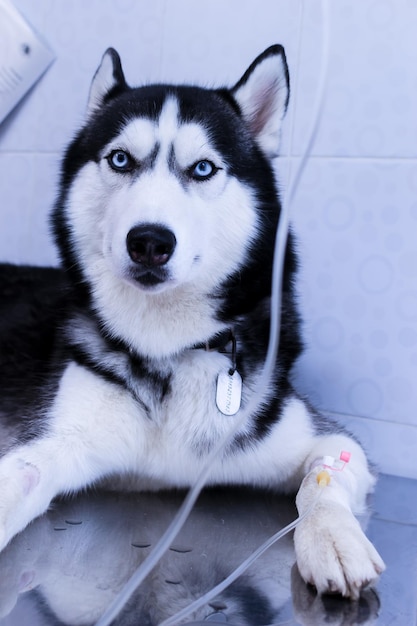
120	161
202	170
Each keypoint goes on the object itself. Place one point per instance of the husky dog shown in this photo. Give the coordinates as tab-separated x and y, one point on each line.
136	358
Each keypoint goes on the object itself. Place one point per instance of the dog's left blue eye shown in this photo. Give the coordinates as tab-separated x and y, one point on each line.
120	161
203	170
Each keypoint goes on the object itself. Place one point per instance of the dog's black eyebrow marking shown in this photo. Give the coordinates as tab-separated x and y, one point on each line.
171	159
155	153
143	165
149	161
174	167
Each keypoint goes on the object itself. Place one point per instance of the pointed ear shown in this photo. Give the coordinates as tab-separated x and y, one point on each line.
109	78
262	95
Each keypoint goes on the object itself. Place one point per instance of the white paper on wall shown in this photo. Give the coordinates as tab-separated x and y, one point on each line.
24	57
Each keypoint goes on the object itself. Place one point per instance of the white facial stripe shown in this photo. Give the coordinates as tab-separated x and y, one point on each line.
168	123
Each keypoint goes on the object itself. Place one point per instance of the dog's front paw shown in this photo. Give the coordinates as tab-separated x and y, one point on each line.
333	553
18	480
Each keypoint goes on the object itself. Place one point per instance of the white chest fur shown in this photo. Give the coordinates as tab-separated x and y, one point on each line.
102	430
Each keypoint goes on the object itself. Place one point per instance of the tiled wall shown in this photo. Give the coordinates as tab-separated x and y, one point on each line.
355	212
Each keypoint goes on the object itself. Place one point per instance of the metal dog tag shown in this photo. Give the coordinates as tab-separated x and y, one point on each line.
229	392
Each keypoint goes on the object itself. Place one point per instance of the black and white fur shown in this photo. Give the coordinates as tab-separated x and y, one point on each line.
165	222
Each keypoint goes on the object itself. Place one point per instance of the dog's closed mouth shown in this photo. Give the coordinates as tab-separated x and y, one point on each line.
149	277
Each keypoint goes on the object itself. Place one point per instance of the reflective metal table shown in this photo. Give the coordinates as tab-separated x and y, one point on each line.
68	565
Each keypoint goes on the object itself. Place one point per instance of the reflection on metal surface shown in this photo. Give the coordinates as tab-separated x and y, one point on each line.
68	565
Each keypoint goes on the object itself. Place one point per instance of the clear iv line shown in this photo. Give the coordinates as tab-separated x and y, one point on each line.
277	270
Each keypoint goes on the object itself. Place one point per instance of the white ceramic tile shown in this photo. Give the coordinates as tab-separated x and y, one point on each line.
26	197
357	224
372	77
390	447
217	45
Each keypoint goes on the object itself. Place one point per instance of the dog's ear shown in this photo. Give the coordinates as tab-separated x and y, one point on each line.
262	95
108	80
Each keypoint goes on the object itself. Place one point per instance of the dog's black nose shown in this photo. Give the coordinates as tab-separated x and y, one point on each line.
150	245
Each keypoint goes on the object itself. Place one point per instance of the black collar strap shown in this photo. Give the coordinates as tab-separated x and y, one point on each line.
219	342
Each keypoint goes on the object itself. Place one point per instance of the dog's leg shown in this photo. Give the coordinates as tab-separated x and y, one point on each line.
32	474
23	495
332	551
92	430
